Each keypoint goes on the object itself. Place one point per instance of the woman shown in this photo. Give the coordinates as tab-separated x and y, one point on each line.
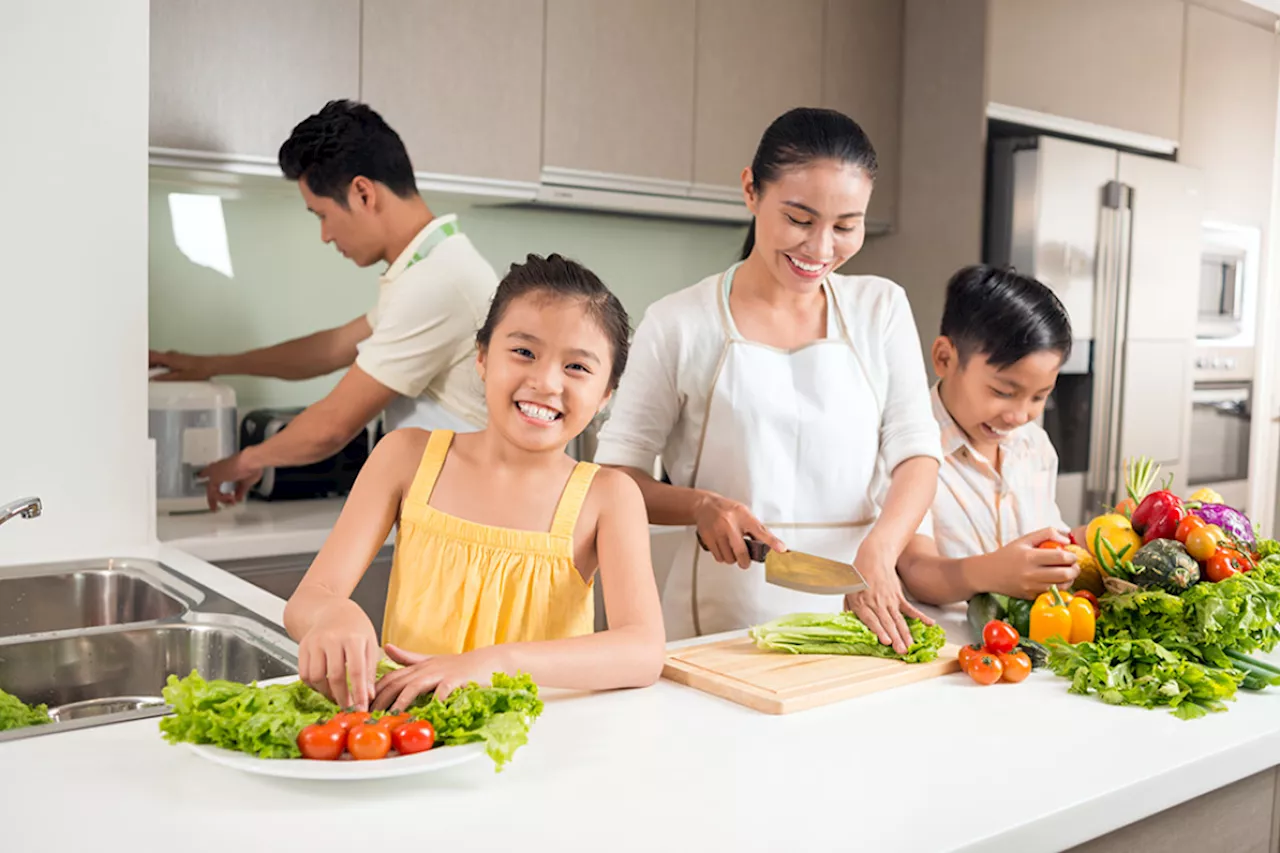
781	397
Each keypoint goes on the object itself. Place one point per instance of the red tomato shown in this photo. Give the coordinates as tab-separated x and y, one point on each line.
967	654
415	736
1017	666
1050	545
322	741
986	669
1225	563
1186	526
1126	508
348	719
392	721
369	740
999	637
1200	544
1089	597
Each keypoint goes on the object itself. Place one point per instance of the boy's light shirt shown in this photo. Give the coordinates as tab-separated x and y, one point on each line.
977	510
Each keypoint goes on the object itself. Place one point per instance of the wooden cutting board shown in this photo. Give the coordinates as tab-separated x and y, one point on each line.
780	683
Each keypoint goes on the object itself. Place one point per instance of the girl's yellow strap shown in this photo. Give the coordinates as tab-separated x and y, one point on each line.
424	482
575	492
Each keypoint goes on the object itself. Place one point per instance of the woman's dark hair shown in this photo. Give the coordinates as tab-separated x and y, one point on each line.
1003	315
801	136
341	142
560	277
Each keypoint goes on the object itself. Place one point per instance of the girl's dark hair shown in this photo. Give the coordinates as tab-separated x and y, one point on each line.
341	142
1003	315
801	136
558	276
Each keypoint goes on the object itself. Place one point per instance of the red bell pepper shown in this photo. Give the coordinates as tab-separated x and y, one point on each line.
1157	507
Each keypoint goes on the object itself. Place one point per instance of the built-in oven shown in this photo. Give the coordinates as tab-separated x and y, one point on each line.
1221	416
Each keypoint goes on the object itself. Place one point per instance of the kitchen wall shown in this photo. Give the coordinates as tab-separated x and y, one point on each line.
73	276
255	271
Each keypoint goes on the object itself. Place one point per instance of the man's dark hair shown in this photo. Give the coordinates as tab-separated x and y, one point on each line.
560	277
1004	316
341	142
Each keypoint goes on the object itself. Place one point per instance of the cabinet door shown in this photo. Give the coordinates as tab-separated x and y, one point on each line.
756	60
619	87
1229	114
235	76
1112	63
461	82
862	78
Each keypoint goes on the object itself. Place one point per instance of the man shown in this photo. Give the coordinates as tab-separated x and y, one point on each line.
413	354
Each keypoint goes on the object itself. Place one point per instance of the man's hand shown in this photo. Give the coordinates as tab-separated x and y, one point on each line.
238	470
181	367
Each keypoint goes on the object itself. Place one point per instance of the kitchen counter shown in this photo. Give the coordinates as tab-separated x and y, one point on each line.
253	529
668	767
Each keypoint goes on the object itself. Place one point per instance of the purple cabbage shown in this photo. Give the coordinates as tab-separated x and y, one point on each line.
1232	521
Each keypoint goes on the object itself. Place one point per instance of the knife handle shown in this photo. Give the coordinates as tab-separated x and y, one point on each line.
756	549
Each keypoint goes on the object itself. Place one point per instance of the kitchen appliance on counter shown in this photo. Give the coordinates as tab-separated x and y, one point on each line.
193	424
1118	238
334	475
1221	416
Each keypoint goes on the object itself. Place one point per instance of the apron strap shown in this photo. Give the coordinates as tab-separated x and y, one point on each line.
424	482
571	500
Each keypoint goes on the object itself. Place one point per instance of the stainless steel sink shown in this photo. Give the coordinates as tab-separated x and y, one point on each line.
133	624
83	597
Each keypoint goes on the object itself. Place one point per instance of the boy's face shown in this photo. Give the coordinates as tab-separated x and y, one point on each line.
987	402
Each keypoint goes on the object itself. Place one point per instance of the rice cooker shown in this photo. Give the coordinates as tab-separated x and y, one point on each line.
193	424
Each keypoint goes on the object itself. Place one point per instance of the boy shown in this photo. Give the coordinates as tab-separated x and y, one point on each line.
1003	339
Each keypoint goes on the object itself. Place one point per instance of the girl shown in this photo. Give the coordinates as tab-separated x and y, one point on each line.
781	397
500	534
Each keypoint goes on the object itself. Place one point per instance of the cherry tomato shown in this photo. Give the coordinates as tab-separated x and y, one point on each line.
322	741
1051	545
414	736
369	740
967	654
999	637
1016	664
986	669
348	719
1186	526
1218	534
1126	507
1200	544
393	721
1225	563
1089	597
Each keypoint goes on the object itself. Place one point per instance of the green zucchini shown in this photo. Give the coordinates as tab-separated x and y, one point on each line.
983	607
1039	654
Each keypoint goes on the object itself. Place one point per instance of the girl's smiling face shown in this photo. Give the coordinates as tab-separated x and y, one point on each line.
546	371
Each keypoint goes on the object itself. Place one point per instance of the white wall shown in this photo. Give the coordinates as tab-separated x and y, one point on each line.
73	276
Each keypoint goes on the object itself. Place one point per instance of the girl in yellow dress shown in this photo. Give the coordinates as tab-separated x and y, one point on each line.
501	535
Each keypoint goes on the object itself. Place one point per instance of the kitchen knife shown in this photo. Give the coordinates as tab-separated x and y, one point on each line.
803	572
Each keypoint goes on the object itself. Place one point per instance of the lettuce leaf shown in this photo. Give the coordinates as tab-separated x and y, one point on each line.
16	714
498	715
262	721
843	634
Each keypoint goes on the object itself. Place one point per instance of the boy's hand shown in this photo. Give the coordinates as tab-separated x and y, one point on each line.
1023	569
339	656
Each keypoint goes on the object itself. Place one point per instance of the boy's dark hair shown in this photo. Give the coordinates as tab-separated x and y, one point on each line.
558	276
801	136
341	142
1004	316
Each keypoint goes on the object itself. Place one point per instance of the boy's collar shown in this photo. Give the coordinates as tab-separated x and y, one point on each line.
954	438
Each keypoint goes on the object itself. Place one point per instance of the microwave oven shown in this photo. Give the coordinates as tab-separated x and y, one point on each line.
1228	285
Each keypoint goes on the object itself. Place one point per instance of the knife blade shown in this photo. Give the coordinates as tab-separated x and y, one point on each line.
803	572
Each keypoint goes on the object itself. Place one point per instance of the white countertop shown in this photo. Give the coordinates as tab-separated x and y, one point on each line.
253	529
668	767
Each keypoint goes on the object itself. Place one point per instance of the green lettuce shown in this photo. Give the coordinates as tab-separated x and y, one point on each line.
261	721
16	714
843	634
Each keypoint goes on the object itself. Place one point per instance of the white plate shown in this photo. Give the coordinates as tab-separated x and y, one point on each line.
346	767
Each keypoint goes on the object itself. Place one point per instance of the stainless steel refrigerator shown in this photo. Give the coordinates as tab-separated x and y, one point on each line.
1117	235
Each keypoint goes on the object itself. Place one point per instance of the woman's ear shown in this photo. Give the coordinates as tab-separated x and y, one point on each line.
749	190
945	357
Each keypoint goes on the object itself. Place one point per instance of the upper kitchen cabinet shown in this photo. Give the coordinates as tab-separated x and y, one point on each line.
619	88
461	82
862	77
756	59
235	76
1112	63
1229	114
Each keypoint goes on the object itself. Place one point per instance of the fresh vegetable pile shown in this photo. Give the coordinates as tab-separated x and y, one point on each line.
292	720
844	634
16	714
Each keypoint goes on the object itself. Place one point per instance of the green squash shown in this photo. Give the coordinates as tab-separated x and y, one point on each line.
1165	564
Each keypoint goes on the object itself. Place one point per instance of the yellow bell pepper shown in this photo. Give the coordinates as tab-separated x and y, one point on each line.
1050	616
1083	621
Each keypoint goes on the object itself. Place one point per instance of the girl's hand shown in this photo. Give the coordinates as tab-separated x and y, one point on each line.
441	674
339	656
881	605
723	526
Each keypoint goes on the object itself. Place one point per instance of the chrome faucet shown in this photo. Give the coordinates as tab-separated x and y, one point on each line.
25	507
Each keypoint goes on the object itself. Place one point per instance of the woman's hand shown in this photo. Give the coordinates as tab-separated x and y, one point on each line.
882	604
441	674
339	656
723	526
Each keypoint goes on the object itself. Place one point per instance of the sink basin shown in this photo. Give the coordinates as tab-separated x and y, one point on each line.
81	598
